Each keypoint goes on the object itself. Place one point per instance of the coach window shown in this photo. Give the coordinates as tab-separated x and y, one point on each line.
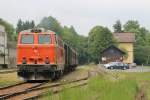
27	39
44	38
60	43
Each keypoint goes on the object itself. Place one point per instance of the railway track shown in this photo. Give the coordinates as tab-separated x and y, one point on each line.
16	89
32	91
36	97
55	88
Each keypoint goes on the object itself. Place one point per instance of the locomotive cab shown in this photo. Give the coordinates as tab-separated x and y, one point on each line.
40	55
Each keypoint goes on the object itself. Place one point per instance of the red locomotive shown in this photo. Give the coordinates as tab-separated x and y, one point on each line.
42	55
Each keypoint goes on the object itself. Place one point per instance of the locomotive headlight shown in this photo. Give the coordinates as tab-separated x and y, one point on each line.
47	60
24	61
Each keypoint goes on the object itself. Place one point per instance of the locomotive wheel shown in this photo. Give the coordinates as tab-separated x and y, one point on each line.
61	72
58	74
53	75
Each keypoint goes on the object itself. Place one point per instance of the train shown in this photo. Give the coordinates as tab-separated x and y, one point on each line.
43	55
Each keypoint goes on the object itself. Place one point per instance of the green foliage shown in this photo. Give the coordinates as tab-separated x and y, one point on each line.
141	54
148	38
99	39
69	36
88	48
8	27
99	88
50	23
142	41
140	32
76	41
131	24
117	27
21	25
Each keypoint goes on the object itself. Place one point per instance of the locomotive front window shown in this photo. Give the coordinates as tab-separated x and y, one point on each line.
44	38
27	39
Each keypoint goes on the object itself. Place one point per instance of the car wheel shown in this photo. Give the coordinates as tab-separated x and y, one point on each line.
124	68
111	68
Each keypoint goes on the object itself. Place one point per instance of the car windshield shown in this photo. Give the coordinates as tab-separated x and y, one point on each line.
44	38
27	39
113	63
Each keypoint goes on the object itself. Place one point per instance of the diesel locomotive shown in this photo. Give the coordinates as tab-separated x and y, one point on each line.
42	55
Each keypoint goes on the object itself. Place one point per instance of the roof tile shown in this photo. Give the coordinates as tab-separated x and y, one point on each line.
125	37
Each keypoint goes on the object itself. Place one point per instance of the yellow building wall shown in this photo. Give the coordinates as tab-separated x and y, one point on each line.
128	48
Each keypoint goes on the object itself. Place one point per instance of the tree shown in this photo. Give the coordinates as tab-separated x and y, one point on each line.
117	27
32	24
142	53
79	43
69	36
140	32
24	25
148	38
99	39
50	23
19	26
130	25
142	41
9	28
73	30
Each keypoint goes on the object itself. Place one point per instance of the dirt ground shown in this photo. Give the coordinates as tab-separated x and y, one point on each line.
8	79
79	73
11	78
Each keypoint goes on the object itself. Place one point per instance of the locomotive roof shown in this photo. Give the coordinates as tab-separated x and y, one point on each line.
31	31
42	31
26	32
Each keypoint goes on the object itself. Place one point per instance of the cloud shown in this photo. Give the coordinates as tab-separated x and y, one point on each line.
83	14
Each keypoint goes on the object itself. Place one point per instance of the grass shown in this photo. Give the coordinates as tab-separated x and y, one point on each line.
112	86
109	86
8	79
99	88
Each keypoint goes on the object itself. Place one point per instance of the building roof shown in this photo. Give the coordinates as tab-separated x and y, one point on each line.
125	37
114	47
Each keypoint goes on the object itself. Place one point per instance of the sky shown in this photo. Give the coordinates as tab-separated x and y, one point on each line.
82	14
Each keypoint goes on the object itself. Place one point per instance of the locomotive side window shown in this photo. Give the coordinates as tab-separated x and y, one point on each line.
44	38
27	39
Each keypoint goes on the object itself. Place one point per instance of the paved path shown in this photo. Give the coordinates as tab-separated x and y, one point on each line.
135	69
138	69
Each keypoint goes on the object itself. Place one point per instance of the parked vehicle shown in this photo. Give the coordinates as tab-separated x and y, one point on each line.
116	65
132	65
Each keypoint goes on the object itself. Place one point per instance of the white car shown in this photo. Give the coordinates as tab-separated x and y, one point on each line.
116	65
110	64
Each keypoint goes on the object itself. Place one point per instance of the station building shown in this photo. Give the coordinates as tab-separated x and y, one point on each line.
123	52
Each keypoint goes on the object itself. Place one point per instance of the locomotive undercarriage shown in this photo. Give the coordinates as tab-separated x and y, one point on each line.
39	72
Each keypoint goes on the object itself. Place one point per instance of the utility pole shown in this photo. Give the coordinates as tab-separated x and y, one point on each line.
4	48
88	50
